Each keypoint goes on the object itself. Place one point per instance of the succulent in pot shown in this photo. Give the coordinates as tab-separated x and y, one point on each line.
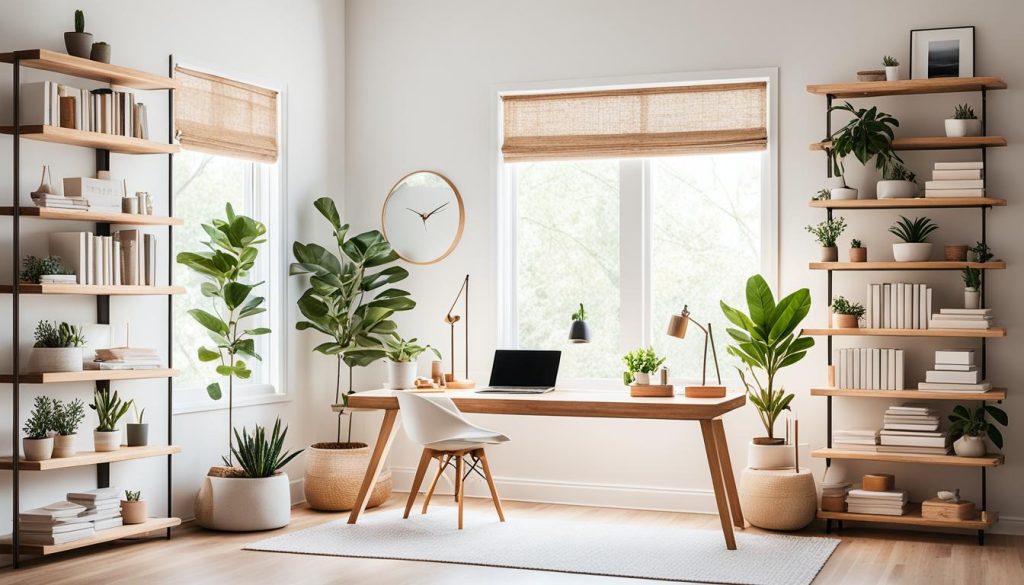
109	409
897	182
892	68
914	233
640	364
963	123
826	233
867	136
138	431
970	427
858	253
133	507
846	315
38	444
402	355
58	347
67	417
972	287
33	269
78	43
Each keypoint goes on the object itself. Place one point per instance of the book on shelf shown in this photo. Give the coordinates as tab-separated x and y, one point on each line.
955	356
911	450
73	252
127	257
86	531
898	305
853	446
940	193
958	166
54	511
98	494
101	110
972	376
978	388
869	368
957	174
940	322
934	439
108	523
954	184
58	279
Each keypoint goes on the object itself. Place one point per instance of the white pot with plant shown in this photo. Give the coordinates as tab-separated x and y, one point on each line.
892	68
858	253
67	417
826	233
109	409
897	182
914	233
846	315
836	184
868	135
972	287
38	444
970	427
401	359
640	364
58	347
33	269
133	507
963	123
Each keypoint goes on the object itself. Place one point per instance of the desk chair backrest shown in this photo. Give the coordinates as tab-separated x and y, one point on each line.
435	419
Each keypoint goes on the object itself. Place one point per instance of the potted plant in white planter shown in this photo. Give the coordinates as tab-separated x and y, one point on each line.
38	444
963	123
892	68
846	315
401	358
897	182
109	409
868	135
826	233
972	287
33	270
58	347
914	233
835	186
138	431
67	417
254	496
858	253
640	364
78	43
970	427
133	507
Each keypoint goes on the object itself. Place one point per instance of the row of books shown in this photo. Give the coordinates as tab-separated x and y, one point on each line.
898	305
954	371
80	516
961	319
887	503
956	179
102	110
127	257
869	368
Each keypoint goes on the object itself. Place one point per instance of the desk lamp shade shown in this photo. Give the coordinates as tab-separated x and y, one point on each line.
677	325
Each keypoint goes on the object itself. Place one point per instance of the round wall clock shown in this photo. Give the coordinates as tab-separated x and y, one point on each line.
423	217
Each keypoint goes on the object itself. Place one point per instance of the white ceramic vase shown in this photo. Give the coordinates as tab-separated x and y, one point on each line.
896	189
242	504
770	456
972	298
106	440
958	128
892	73
916	252
64	445
56	359
968	446
401	375
37	449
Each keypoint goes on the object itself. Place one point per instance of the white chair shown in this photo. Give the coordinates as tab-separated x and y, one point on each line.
436	423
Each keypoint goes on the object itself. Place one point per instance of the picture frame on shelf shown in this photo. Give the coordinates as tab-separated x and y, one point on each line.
942	52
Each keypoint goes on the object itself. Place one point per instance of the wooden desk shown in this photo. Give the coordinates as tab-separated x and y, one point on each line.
586	404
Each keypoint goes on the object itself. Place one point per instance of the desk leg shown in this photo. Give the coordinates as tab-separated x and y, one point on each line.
714	464
727	475
380	452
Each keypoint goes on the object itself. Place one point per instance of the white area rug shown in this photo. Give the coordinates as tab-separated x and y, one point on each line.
631	550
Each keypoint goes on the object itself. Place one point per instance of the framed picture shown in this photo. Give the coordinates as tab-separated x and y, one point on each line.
942	52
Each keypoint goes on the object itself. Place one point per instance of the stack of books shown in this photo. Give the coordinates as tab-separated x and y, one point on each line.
855	440
125	358
55	201
954	372
956	179
961	319
100	110
869	368
101	507
890	503
913	429
128	257
56	523
839	488
898	305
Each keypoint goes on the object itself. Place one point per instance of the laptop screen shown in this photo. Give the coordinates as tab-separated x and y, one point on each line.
525	368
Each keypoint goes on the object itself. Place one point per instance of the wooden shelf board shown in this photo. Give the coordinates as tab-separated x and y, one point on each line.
91	289
90	376
913	517
47	60
906	87
120	144
990	460
915	203
888	265
92	216
990	396
111	534
92	458
861	332
934	143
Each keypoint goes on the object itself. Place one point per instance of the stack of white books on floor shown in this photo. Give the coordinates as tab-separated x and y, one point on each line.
125	358
102	507
57	523
956	179
898	305
869	368
892	503
855	440
912	428
954	372
961	319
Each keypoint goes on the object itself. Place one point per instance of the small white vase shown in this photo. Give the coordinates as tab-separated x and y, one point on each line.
641	378
892	73
958	128
106	441
401	375
843	193
770	456
37	449
968	446
56	359
64	445
916	252
972	298
896	189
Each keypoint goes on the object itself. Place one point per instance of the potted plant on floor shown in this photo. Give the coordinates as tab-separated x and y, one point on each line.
255	497
892	68
972	287
970	427
897	182
133	507
868	135
846	315
109	409
138	431
38	444
963	123
858	253
78	43
343	303
401	357
640	364
67	416
914	233
826	233
58	347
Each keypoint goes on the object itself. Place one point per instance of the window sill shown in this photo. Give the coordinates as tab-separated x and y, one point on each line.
253	396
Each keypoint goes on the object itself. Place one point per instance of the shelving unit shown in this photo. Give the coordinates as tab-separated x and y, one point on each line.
832	91
104	144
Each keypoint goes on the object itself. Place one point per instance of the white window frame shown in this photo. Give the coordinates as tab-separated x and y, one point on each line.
635	277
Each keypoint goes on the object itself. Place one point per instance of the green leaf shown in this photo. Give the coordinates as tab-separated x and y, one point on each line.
225	370
386	276
760	301
258	331
998	414
213	390
211	322
208	355
235	294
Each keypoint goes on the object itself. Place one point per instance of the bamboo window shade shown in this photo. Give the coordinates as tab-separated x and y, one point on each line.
221	116
650	121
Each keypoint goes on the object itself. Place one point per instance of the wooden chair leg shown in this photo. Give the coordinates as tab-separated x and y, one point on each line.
459	485
442	464
480	454
414	489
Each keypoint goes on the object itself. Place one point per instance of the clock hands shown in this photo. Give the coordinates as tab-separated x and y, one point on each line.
436	209
425	216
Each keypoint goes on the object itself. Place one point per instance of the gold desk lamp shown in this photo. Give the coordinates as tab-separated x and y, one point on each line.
450	380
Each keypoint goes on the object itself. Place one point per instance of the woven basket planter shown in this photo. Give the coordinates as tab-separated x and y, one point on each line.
778	499
333	477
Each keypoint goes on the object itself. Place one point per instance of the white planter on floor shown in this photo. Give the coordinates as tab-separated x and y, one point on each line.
37	449
957	128
241	504
106	441
896	189
972	298
56	359
968	446
401	375
65	445
917	252
770	456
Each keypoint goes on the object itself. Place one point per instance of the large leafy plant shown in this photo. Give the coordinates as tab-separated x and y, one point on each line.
344	300
231	254
973	423
259	455
766	340
868	135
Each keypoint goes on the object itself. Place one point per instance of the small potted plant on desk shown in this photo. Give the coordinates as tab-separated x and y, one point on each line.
858	253
133	507
846	315
58	347
640	364
402	355
970	428
914	233
109	409
38	444
826	233
963	123
67	417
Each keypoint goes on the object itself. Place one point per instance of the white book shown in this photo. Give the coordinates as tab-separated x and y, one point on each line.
940	193
975	312
955	356
915	311
956	174
150	241
51	539
949	377
876	305
876	368
913	441
107	493
97	264
955	166
927	305
62	509
865	368
873	510
883	365
954	317
844	369
71	248
887	312
909	449
962	184
894	289
914	433
856	368
108	523
908	305
50	528
867	307
922	307
901	322
912	426
108	259
117	262
953	324
941	387
899	371
954	368
35	103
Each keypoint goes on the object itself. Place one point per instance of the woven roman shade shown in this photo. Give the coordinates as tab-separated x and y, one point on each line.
222	116
651	121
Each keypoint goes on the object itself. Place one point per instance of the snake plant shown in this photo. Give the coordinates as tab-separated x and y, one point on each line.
260	456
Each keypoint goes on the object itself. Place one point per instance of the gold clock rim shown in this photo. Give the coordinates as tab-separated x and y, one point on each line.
458	232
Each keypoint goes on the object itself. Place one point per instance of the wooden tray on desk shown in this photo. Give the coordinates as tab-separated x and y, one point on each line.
651	390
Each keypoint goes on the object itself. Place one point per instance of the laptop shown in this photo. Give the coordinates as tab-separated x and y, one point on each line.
521	371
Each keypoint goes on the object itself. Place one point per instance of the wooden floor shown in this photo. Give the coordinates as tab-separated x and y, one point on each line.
194	557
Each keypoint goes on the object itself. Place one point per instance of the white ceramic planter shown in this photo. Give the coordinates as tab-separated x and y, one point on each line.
106	441
957	128
401	375
972	298
37	449
892	73
65	445
770	456
843	193
244	504
641	378
896	189
829	254
56	359
968	446
905	252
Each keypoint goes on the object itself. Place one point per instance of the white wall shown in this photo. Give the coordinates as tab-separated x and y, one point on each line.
294	46
421	80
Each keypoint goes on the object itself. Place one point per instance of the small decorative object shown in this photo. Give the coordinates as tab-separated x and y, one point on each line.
897	182
663	376
640	364
423	217
980	252
778	499
867	136
942	52
846	315
44	187
947	496
138	431
133	508
402	355
100	52
130	205
78	43
450	380
825	195
826	233
145	203
892	68
914	233
952	509
579	331
964	122
970	427
38	444
879	482
955	253
67	416
109	409
972	287
871	75
51	268
58	347
677	327
436	372
858	253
